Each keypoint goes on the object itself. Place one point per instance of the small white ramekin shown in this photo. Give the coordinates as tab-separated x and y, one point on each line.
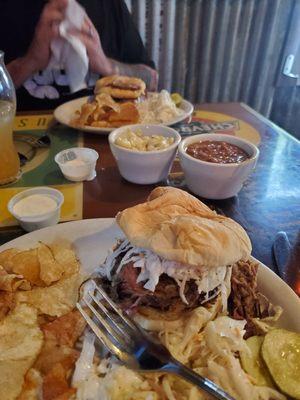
145	167
78	173
33	223
213	180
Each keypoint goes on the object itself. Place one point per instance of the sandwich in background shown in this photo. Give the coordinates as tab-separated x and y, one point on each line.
113	104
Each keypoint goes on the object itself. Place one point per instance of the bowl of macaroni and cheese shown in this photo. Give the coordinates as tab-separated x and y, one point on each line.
144	153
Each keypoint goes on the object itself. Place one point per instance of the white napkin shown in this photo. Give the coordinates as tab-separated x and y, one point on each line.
68	52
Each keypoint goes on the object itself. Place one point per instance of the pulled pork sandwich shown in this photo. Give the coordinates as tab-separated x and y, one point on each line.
177	255
121	88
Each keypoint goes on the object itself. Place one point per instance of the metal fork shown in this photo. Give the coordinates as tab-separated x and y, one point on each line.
133	346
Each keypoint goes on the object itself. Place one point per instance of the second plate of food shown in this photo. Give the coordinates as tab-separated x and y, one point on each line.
156	109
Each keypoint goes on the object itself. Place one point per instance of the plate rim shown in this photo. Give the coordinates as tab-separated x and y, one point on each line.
106	131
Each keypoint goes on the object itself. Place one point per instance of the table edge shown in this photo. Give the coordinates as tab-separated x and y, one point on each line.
268	122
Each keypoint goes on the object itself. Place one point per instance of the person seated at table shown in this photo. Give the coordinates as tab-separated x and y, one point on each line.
112	42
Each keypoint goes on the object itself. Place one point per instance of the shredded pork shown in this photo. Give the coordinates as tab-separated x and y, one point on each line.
125	290
245	301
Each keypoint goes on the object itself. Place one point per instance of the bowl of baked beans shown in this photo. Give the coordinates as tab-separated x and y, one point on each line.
216	165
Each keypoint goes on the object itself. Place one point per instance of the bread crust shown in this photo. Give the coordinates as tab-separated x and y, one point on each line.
121	93
121	87
179	227
158	321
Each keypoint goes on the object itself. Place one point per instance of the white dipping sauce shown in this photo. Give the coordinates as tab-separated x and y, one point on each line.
77	162
34	205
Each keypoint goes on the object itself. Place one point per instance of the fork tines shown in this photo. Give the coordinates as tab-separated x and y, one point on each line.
109	323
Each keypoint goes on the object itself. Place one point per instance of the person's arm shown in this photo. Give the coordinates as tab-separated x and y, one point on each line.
20	70
102	65
39	52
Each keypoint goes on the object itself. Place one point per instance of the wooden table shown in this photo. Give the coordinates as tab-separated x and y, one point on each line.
269	201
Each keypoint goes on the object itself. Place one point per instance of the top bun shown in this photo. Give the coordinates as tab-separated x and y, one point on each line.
179	227
121	87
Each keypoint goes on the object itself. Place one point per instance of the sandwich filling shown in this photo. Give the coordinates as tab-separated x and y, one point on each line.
138	277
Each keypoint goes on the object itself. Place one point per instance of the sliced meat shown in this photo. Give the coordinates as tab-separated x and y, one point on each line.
125	290
125	85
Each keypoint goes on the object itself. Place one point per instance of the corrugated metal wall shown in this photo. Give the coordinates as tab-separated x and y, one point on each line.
216	50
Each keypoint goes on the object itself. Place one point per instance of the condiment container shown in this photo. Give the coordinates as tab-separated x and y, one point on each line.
78	163
215	180
47	210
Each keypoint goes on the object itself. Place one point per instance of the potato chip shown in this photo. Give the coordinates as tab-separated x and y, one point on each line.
105	112
50	269
66	329
20	342
128	112
32	385
11	282
54	300
6	259
105	101
51	355
86	110
7	303
98	114
65	256
26	263
55	383
60	336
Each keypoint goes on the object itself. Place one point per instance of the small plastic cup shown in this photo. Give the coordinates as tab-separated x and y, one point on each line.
32	223
77	163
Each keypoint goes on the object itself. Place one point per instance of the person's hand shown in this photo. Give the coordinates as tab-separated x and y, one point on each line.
88	34
103	65
47	29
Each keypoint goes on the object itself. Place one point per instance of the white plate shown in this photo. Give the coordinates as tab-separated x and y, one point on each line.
66	112
92	238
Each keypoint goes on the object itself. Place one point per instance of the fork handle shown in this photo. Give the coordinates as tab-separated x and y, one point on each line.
198	380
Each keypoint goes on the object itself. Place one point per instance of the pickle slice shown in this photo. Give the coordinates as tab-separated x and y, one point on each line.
176	98
253	363
281	353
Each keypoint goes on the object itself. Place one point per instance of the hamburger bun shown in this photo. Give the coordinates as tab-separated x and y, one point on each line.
153	320
179	227
121	87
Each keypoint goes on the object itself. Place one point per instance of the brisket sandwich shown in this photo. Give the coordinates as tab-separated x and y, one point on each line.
177	255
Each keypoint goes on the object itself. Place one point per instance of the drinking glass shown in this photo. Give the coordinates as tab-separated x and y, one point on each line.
9	158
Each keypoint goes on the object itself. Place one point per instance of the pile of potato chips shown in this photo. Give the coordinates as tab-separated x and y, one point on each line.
38	324
104	112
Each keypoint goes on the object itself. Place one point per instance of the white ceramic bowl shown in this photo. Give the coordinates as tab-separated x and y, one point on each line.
213	180
33	223
78	173
145	167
